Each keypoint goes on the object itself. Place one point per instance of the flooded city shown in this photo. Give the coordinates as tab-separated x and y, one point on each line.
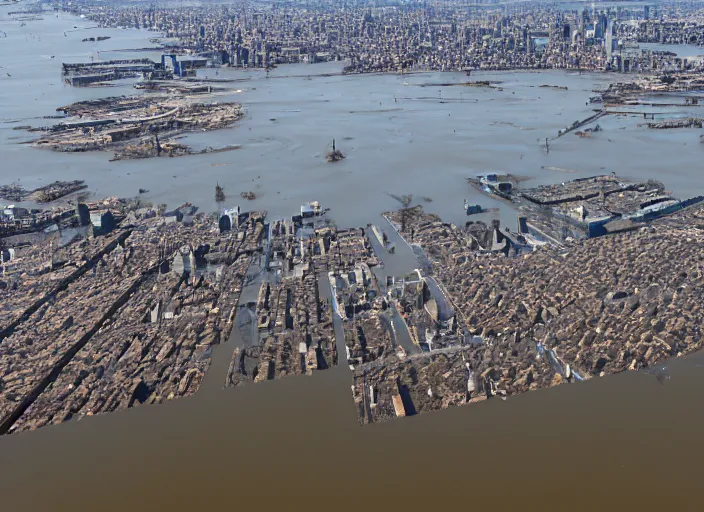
410	142
393	130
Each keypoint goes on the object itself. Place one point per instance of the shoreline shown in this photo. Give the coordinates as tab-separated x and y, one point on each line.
527	361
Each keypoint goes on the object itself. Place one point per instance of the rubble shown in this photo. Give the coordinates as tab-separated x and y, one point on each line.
13	192
56	190
45	194
334	156
136	126
689	122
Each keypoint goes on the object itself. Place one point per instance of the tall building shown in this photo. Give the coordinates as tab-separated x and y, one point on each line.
600	26
609	41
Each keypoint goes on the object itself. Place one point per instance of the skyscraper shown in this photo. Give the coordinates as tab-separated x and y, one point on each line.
608	41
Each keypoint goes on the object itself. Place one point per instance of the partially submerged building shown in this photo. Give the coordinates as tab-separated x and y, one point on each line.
229	220
103	222
594	206
14	213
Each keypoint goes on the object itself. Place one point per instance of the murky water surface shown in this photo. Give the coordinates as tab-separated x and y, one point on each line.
628	440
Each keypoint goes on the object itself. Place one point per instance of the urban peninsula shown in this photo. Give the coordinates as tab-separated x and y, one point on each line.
108	304
121	303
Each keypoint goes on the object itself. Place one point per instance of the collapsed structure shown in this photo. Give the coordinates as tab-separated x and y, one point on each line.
585	207
135	126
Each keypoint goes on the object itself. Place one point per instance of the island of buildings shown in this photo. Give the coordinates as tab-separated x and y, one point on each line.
112	304
121	303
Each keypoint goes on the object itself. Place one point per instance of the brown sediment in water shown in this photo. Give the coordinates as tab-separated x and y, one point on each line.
403	385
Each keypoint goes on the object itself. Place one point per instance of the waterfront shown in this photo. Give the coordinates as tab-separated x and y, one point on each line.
583	443
397	138
602	441
682	50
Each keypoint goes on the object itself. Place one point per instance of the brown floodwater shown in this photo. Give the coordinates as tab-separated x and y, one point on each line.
625	441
